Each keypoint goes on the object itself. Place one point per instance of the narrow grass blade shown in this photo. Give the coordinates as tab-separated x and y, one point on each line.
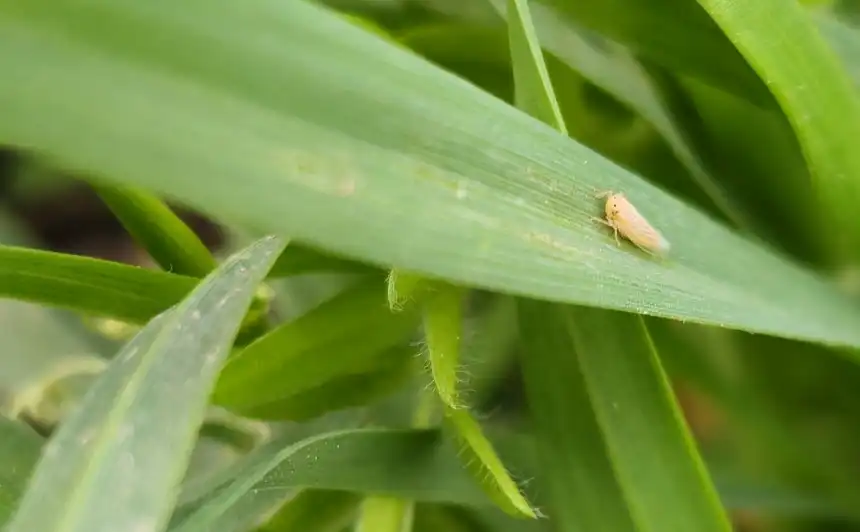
88	285
486	467
532	87
116	463
443	330
171	243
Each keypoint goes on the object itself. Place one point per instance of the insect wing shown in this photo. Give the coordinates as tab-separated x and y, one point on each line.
636	228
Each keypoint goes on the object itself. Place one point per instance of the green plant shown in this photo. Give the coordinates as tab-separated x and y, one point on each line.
426	171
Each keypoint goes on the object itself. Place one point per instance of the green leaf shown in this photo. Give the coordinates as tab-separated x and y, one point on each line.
354	333
116	463
532	86
772	178
410	464
395	369
615	70
652	451
89	285
171	243
315	511
582	491
644	438
488	352
815	94
298	259
481	460
19	450
42	344
442	311
477	193
243	516
385	514
672	33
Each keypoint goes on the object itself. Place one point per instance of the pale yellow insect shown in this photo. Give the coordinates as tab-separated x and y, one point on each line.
623	218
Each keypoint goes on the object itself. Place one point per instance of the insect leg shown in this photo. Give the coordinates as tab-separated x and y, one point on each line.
609	224
601	220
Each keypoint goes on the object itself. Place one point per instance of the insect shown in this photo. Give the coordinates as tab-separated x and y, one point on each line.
623	218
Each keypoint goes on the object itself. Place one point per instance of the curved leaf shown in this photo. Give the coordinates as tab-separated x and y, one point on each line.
782	43
481	459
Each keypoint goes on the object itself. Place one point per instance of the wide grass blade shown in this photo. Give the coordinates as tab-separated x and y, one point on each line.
116	463
419	169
